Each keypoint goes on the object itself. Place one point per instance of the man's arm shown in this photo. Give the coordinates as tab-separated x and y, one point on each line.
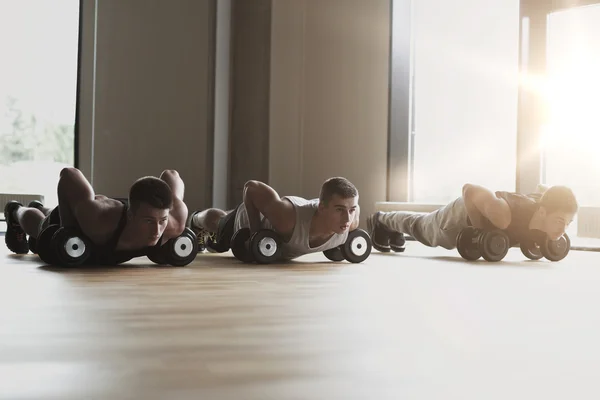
481	202
179	211
79	207
260	198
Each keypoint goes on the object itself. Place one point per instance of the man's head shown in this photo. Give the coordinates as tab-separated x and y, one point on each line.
338	202
558	207
150	200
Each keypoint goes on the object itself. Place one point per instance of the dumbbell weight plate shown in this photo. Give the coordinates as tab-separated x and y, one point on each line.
265	246
239	245
72	247
335	254
531	250
158	255
357	247
556	250
46	249
183	249
32	244
493	245
466	246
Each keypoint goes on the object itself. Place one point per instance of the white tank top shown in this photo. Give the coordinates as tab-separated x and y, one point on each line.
298	245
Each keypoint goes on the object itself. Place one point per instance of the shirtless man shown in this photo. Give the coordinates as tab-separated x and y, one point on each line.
119	230
306	226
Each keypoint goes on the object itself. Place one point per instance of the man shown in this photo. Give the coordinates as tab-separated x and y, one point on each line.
518	215
306	226
119	230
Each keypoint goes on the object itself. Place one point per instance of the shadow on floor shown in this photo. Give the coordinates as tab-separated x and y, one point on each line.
457	259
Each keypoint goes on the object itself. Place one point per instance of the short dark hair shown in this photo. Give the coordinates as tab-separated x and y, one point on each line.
559	198
152	191
338	185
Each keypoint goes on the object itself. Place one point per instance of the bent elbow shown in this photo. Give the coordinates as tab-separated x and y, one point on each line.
251	186
170	173
68	172
68	177
467	189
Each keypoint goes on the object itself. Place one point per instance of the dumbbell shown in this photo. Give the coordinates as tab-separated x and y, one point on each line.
240	246
44	246
178	252
556	250
552	250
356	249
531	250
72	247
63	246
32	242
335	254
264	246
473	243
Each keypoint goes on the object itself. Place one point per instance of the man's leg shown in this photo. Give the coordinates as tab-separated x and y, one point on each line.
38	204
437	228
20	222
207	220
205	225
380	236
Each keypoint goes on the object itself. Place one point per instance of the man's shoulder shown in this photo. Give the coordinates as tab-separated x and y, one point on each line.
518	198
300	201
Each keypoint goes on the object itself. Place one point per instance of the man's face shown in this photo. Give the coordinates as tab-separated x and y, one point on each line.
339	213
556	223
150	223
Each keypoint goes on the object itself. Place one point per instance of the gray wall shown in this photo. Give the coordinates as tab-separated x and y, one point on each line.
153	94
328	98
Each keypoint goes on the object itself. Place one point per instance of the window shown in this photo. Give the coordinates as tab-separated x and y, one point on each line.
38	83
465	96
571	137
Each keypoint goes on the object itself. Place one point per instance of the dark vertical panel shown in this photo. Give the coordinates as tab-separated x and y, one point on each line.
250	68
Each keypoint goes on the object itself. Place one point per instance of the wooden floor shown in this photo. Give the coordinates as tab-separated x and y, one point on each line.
418	325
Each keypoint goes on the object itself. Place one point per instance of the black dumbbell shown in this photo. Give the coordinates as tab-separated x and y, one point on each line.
32	244
72	247
552	250
178	252
45	247
493	245
240	246
531	250
473	243
265	246
556	250
335	254
467	243
357	247
158	256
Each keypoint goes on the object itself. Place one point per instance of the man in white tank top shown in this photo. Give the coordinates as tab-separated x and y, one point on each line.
306	226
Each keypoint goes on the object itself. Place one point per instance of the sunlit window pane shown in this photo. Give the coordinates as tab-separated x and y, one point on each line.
465	98
572	133
38	80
